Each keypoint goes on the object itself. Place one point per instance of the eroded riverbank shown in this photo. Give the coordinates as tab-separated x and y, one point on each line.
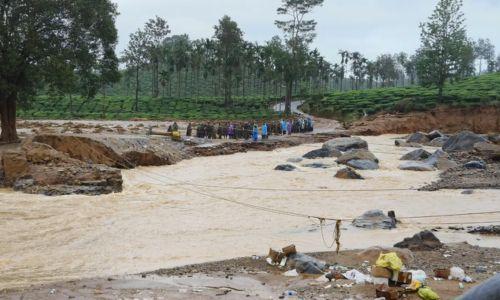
157	223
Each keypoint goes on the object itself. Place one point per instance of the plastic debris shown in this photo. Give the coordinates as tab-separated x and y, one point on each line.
418	275
290	293
457	273
291	273
380	281
357	276
389	260
427	294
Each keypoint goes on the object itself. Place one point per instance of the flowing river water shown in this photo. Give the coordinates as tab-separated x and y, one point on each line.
155	223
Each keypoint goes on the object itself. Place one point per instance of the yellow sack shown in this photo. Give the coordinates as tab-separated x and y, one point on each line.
389	260
427	294
176	136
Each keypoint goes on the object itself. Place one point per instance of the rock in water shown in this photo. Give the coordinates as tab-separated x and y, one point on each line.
419	154
492	229
318	166
401	143
475	165
322	153
422	241
294	160
348	173
357	154
463	141
374	219
416	166
287	168
418	137
362	164
345	144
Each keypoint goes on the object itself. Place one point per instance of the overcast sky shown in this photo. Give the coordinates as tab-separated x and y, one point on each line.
369	26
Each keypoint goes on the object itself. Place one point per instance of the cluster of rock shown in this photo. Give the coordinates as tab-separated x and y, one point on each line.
465	141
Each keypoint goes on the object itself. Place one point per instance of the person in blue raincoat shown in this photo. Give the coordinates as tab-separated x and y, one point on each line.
255	133
264	131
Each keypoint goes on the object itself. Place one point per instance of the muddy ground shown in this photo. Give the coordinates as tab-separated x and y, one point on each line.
253	278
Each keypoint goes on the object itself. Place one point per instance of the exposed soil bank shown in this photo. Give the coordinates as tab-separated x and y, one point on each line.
248	278
483	119
88	162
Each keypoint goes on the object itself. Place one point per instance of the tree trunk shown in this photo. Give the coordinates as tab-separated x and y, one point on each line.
288	98
136	108
440	93
8	118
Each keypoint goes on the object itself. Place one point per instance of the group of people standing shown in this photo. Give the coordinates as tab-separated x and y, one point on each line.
247	130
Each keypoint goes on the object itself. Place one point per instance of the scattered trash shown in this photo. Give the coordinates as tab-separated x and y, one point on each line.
418	275
388	293
306	264
291	273
334	275
290	293
461	285
255	257
442	273
389	260
427	293
380	281
457	273
357	276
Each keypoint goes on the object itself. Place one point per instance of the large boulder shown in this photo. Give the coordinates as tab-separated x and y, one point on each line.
488	151
362	164
322	153
422	241
285	167
463	141
345	144
438	142
416	166
418	137
418	154
435	134
358	154
348	173
374	219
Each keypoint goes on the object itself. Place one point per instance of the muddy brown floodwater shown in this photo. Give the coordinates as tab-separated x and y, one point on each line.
156	223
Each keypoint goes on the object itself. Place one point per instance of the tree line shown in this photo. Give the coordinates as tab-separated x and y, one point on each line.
68	46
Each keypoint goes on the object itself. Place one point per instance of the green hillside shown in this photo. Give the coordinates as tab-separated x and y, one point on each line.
122	108
351	105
